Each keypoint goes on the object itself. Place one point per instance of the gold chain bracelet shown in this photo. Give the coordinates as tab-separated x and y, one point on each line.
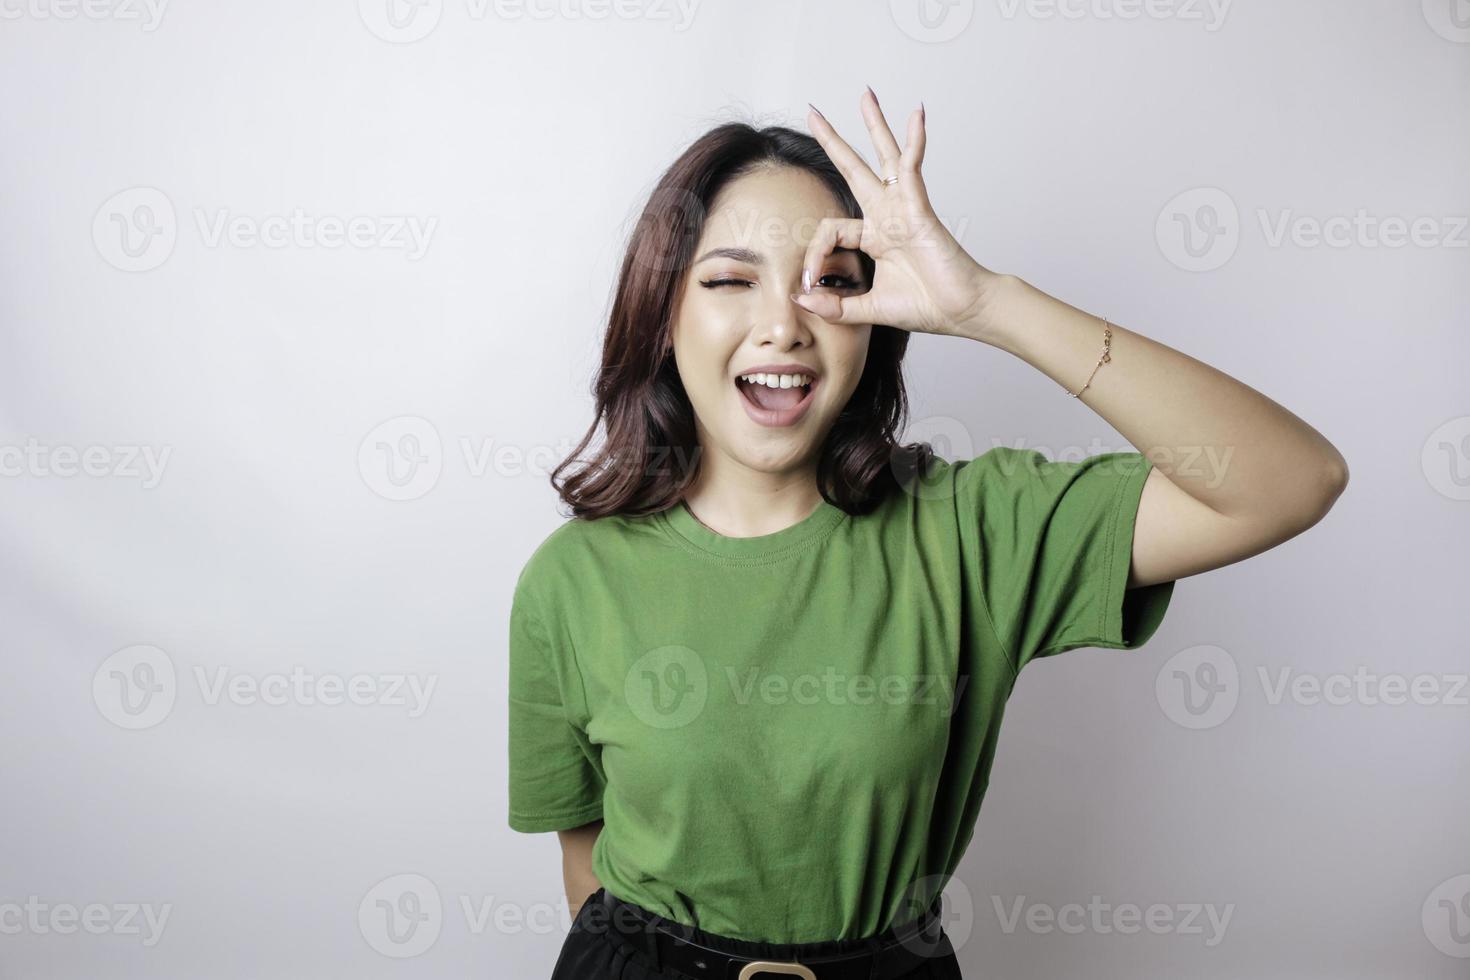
1107	355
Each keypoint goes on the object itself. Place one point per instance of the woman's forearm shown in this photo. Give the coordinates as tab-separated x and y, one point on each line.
1222	442
576	863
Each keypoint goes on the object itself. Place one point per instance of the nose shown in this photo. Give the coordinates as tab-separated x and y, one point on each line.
785	324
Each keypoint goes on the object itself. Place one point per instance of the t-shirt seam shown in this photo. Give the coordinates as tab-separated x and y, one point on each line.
990	620
1101	634
556	814
576	667
1005	652
796	547
1119	502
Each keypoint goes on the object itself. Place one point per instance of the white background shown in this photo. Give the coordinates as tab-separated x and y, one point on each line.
1060	142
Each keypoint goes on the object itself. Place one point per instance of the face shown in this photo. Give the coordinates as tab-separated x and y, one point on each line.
735	318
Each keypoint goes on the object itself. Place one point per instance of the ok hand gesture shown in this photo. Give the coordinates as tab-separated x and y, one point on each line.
923	280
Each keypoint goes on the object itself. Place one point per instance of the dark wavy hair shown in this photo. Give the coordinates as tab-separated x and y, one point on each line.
651	453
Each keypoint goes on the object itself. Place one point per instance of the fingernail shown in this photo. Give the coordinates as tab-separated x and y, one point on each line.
797	299
816	110
921	113
806	280
874	95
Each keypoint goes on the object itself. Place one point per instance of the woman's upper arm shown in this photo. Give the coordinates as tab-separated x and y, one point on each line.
1176	535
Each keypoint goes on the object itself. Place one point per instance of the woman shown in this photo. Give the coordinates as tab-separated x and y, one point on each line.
756	683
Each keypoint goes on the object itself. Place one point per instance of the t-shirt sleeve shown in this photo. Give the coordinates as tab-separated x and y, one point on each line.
556	781
1052	550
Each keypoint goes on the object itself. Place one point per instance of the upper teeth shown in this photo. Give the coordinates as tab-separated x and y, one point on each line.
777	380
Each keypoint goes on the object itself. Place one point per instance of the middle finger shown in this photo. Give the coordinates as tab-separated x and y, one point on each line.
887	146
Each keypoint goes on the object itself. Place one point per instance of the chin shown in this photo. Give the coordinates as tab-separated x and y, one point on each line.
774	451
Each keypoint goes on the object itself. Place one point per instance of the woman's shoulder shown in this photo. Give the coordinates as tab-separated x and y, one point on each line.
1013	467
1004	480
943	478
579	546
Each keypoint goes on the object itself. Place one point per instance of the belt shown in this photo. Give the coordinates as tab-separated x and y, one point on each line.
908	946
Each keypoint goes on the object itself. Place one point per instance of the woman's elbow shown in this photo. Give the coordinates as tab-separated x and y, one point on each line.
1331	481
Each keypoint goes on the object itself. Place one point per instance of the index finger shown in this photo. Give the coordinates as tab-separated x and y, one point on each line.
854	168
831	234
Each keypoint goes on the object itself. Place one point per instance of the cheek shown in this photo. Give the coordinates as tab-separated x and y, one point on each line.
703	349
849	357
711	335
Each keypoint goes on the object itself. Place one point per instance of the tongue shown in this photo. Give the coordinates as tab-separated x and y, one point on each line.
774	399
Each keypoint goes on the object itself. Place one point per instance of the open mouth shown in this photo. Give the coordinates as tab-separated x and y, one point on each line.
770	399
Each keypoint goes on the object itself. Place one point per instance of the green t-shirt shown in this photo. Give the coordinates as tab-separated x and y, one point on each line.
788	736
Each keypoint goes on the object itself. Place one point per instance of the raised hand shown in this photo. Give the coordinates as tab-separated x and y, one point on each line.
923	280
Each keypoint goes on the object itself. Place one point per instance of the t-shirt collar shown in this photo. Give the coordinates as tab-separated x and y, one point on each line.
682	523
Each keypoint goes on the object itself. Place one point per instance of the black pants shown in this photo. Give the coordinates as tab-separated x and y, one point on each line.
593	952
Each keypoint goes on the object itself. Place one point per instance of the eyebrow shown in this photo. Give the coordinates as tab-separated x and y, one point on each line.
750	256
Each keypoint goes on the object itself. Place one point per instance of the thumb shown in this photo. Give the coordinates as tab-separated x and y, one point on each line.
847	310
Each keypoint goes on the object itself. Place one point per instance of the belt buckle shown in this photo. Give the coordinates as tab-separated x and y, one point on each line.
789	969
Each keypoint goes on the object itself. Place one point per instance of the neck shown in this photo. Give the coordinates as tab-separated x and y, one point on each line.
739	502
